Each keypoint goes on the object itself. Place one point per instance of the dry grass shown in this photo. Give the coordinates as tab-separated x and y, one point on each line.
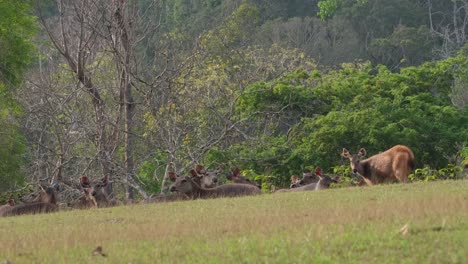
352	225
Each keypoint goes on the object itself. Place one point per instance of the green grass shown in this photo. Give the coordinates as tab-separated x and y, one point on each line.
348	225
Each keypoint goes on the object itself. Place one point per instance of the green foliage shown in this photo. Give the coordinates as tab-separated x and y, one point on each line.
17	27
385	109
405	46
464	155
12	143
289	94
152	172
355	106
428	174
328	8
237	30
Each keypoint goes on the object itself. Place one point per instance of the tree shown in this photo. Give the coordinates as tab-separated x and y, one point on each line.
17	28
87	33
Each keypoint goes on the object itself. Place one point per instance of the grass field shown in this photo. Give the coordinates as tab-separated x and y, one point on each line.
348	225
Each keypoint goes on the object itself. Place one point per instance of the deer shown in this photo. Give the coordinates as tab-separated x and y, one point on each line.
324	182
173	197
237	177
86	201
294	182
392	165
189	187
307	178
10	203
204	178
313	181
94	194
46	203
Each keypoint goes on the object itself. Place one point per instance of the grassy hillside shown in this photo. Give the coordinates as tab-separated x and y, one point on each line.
351	225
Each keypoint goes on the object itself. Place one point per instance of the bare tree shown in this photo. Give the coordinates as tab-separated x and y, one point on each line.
451	26
86	33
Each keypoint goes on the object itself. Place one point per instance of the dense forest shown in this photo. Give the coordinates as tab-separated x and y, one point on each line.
133	89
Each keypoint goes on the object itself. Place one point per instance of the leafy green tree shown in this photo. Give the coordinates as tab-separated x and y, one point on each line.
377	111
353	107
17	27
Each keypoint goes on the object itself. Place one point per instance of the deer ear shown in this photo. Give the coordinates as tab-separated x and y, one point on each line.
193	173
104	181
236	172
172	176
345	153
11	202
362	152
318	171
199	169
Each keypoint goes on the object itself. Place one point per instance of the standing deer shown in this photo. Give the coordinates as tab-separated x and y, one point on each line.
47	203
391	165
189	187
237	177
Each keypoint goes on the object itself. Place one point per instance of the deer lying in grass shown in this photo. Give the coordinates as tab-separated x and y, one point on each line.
86	201
294	182
237	177
324	182
46	203
391	165
173	197
94	194
189	187
204	178
307	178
7	206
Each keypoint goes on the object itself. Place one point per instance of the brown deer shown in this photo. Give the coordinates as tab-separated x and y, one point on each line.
94	194
237	177
307	178
7	206
86	201
47	203
204	178
294	182
189	187
324	182
164	198
391	165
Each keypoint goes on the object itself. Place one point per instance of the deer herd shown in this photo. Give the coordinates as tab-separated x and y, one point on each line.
392	165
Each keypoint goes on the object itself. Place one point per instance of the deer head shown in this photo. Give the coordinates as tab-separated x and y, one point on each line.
354	159
96	190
